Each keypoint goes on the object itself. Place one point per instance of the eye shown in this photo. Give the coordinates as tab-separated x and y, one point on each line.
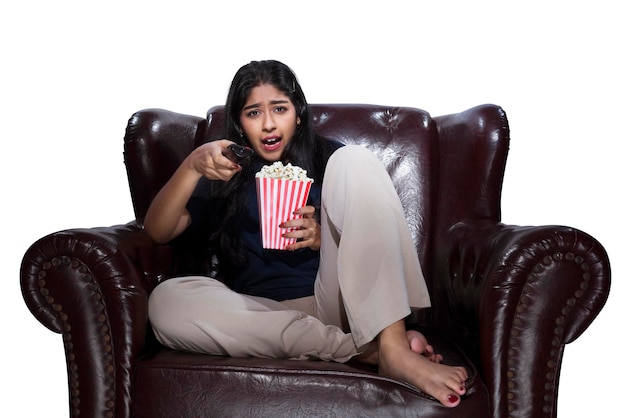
280	109
252	113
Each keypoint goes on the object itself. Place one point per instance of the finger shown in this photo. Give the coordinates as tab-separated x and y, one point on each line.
221	160
225	174
298	245
224	162
299	234
300	223
295	246
306	211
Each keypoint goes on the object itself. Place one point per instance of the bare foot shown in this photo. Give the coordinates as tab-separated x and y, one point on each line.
419	345
407	362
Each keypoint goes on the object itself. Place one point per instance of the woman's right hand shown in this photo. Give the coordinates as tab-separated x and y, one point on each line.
167	216
208	161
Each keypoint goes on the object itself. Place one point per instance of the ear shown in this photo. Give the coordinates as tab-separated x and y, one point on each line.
298	120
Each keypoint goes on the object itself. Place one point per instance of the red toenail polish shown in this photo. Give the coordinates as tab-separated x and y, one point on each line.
453	398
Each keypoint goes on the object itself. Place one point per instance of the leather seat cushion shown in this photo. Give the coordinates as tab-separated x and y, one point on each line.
223	386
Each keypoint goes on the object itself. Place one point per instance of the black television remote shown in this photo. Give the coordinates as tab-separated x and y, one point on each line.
236	153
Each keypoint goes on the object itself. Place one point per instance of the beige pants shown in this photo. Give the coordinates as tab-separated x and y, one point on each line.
369	278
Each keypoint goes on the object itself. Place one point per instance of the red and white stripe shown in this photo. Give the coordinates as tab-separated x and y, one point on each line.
278	200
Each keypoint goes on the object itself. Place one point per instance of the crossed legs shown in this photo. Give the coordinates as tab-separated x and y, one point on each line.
369	278
370	275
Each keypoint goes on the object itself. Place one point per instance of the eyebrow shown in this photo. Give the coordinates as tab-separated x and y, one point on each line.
272	102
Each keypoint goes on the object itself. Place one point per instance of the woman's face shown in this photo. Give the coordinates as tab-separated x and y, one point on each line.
268	120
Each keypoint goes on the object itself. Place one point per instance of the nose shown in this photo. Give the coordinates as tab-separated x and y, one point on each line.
268	122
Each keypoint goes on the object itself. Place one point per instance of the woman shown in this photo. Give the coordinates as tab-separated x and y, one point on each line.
340	292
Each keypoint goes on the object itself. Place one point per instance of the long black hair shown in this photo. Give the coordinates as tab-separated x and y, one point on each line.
306	149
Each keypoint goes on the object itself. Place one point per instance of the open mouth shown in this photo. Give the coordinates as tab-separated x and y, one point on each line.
271	143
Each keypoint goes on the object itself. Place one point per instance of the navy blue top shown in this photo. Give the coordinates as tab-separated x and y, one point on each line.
274	274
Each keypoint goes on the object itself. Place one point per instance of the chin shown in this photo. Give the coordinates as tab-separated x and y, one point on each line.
272	156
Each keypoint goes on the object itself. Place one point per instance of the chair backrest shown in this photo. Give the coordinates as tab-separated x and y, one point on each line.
415	150
403	138
155	143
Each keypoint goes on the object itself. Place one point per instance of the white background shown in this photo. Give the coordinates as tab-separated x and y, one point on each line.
73	72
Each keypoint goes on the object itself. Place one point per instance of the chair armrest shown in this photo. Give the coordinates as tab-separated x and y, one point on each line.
522	293
92	286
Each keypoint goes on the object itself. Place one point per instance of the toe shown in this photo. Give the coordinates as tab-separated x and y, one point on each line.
452	400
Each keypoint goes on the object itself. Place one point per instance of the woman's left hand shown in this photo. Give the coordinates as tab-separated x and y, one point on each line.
307	230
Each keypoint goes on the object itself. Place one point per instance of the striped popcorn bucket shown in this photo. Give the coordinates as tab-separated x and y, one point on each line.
278	199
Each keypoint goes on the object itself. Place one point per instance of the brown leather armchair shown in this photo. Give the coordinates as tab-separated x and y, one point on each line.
506	299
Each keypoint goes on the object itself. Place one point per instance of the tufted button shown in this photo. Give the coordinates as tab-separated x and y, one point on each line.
386	119
320	118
